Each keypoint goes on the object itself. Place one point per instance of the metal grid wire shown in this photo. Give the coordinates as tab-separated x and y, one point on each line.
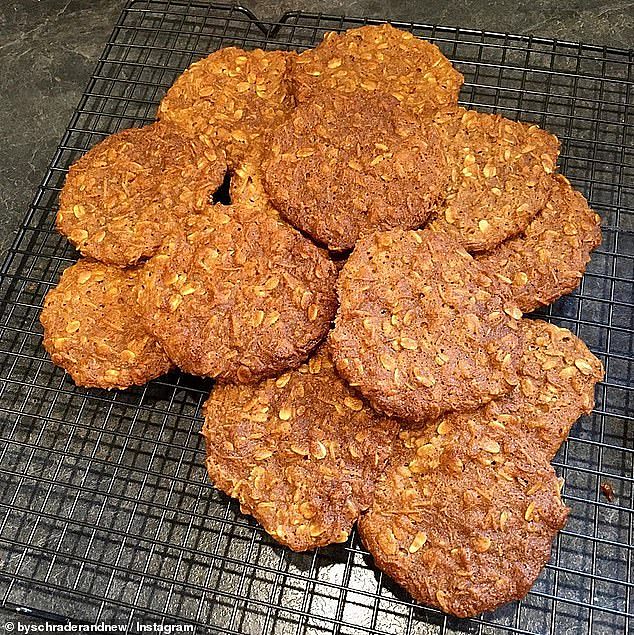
105	509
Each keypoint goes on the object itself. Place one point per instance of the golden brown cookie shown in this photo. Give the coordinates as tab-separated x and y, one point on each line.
301	452
500	176
466	512
234	96
464	516
344	165
378	59
557	378
421	328
238	295
550	257
122	196
92	328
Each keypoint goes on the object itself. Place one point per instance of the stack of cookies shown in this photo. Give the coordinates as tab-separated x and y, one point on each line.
359	301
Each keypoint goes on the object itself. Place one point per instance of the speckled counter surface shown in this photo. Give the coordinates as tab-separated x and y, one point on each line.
48	49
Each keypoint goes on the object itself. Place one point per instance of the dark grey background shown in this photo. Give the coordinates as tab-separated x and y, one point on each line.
48	49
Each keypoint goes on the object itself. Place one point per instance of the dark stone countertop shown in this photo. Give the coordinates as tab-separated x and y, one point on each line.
49	48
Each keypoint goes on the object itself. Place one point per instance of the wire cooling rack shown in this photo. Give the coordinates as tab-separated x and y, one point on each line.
105	510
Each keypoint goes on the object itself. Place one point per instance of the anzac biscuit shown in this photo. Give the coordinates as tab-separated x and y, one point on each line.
421	328
238	295
557	378
234	96
344	165
478	467
378	59
462	519
92	329
550	257
120	197
301	452
500	176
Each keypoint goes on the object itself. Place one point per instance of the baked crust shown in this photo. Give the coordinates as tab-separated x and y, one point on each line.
500	176
549	259
344	165
238	295
121	197
380	59
421	328
300	452
557	378
233	96
464	515
92	328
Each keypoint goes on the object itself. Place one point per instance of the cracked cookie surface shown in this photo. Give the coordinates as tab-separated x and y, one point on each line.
422	329
121	197
92	328
238	295
300	452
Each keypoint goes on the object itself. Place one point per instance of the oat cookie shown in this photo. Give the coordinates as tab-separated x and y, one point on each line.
300	452
92	329
462	519
344	165
557	378
550	257
238	295
234	96
500	176
466	511
120	198
378	59
421	328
